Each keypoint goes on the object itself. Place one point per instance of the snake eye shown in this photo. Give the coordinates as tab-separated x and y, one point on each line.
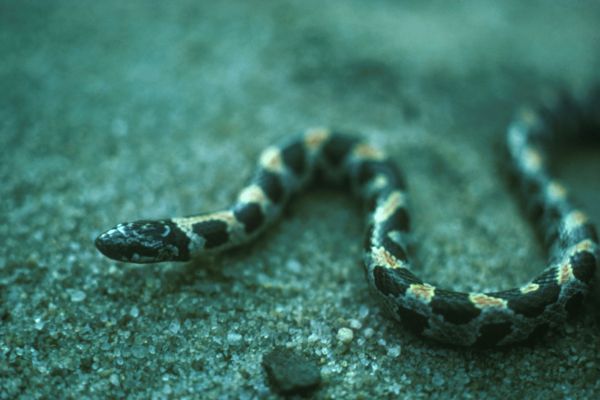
139	242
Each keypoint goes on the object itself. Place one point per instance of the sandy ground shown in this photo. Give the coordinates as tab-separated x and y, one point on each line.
114	111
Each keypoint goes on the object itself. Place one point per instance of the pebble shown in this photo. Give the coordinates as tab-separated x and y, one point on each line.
294	266
38	323
290	373
345	335
76	295
234	338
114	379
363	312
438	379
134	312
174	327
355	324
394	351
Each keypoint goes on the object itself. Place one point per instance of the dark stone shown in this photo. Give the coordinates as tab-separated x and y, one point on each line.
85	364
4	315
290	373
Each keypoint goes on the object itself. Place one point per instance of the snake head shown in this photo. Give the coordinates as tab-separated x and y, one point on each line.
144	242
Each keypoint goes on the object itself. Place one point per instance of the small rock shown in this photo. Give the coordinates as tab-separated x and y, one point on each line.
114	379
345	335
174	327
363	312
76	295
234	338
394	351
294	266
290	373
438	380
134	312
38	323
355	324
369	332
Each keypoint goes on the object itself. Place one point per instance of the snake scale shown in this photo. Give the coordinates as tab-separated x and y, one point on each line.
465	319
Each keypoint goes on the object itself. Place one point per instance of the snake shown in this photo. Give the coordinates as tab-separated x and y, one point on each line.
322	156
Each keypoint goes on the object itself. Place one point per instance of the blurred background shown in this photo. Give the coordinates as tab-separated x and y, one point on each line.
113	111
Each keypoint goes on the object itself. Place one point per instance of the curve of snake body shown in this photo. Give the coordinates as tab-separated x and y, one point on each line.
467	319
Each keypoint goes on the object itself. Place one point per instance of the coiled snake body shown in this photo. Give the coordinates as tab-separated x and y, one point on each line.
469	319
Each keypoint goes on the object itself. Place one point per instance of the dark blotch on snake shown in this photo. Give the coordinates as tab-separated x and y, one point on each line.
367	170
412	319
270	183
388	283
406	275
249	214
393	248
548	277
573	305
537	333
337	148
213	231
455	307
491	334
535	209
532	186
584	265
534	303
398	221
371	199
531	304
294	157
368	241
578	235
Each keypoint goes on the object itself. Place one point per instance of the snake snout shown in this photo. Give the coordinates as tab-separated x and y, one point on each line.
137	242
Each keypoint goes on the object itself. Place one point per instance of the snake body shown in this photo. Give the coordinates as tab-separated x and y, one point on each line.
459	318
